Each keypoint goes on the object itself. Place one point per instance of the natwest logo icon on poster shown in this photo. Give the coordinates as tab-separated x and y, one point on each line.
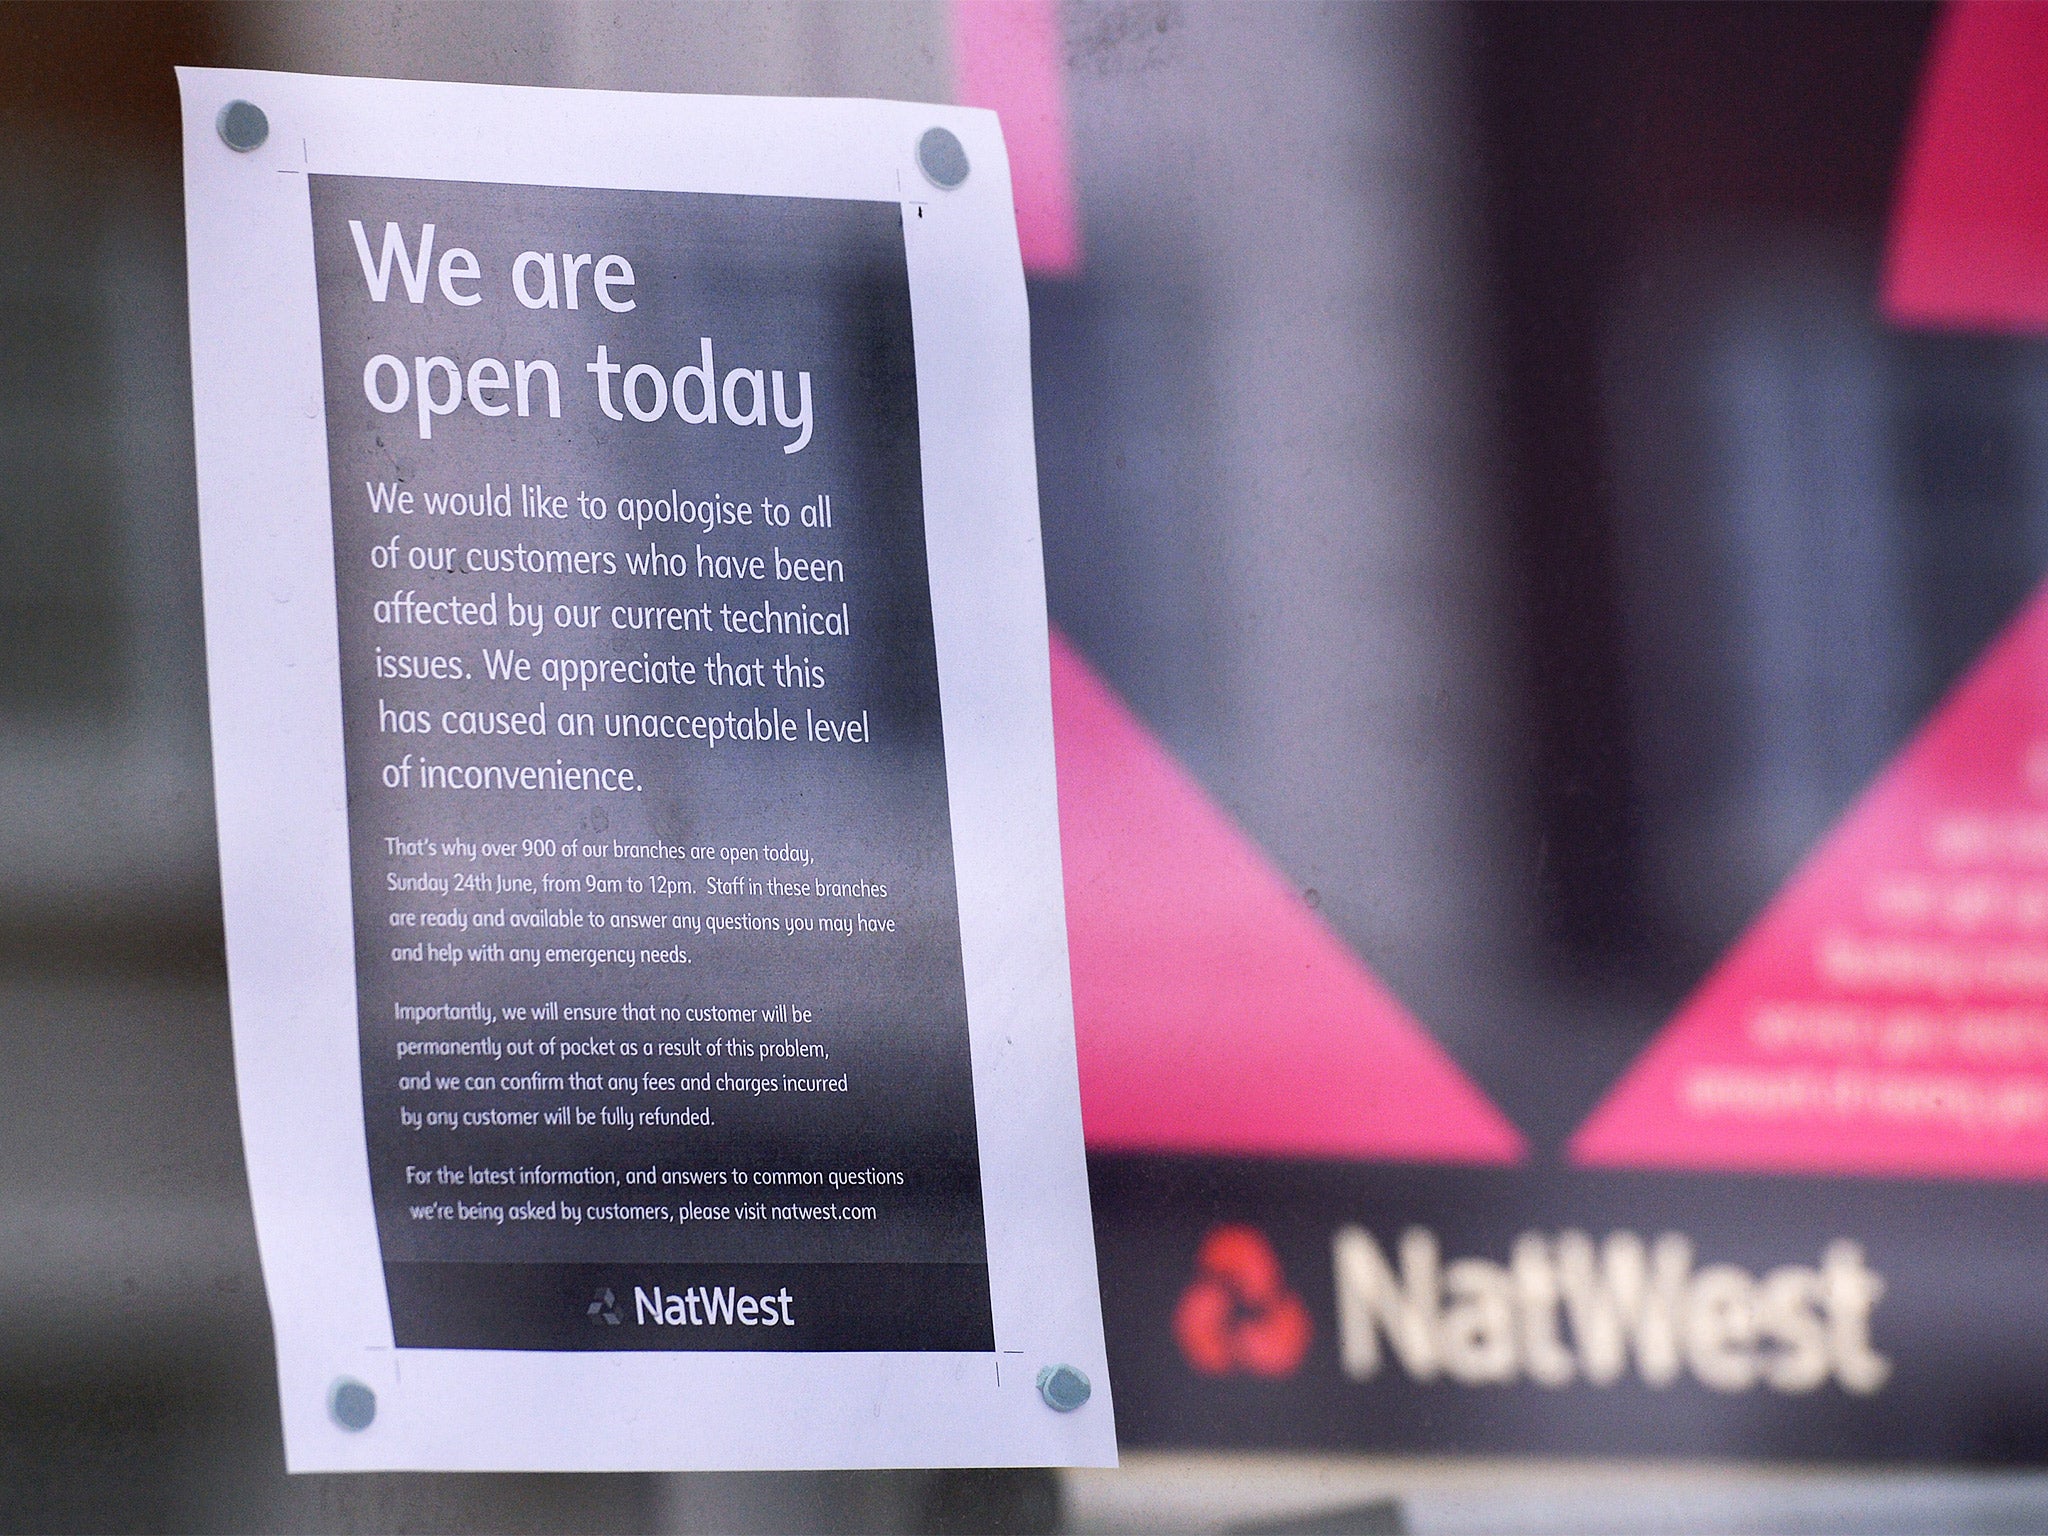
1238	1313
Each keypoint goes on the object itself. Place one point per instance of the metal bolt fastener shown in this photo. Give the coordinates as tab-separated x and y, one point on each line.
243	127
351	1404
1063	1387
942	158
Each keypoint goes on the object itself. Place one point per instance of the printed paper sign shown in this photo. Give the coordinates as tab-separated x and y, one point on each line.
635	780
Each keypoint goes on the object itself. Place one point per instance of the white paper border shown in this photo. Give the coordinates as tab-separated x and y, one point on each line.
272	665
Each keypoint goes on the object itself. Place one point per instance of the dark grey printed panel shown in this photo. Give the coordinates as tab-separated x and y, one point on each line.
657	938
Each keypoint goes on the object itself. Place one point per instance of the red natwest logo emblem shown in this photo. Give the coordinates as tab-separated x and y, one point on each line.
1238	1314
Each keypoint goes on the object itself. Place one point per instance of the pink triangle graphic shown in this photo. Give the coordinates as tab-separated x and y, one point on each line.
1969	233
1213	1010
1888	1012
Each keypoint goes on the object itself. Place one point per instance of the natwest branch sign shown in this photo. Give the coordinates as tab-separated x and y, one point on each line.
1557	1310
1296	1305
1562	1309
